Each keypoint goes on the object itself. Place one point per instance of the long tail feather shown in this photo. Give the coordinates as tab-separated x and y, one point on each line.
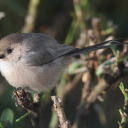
96	47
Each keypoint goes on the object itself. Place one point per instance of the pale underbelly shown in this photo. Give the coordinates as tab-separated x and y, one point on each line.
36	78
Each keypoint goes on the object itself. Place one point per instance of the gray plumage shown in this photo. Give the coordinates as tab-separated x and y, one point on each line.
42	49
35	61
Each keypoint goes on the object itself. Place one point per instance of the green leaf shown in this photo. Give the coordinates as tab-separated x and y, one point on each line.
108	31
44	97
120	111
71	32
121	87
126	95
17	121
73	66
115	54
7	115
99	70
2	124
118	123
123	58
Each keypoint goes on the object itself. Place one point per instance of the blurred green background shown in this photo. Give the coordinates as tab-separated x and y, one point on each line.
55	17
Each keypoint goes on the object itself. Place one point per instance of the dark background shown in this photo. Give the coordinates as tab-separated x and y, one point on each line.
54	17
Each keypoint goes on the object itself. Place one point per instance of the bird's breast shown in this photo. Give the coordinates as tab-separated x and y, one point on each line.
37	78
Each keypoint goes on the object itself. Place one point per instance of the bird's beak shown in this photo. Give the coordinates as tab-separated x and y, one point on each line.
1	56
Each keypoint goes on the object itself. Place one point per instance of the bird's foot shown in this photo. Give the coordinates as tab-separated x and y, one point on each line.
22	98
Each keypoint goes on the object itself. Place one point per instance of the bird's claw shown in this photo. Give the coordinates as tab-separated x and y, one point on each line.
13	96
21	97
16	103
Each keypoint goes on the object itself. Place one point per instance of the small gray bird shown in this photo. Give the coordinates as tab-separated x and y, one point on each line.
35	61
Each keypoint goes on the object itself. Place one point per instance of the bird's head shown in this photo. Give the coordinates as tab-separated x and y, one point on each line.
11	48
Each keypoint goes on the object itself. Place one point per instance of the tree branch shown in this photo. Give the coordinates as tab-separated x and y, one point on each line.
32	105
58	106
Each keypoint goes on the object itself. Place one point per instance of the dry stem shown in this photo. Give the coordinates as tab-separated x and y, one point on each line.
58	106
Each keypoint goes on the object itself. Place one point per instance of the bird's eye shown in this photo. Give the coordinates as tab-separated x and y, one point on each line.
9	50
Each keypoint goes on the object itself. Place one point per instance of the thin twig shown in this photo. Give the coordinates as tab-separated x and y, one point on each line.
58	106
96	28
31	16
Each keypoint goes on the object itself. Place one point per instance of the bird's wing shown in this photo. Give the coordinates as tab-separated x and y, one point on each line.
40	49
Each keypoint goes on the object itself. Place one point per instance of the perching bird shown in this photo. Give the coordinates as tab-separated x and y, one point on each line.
35	61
